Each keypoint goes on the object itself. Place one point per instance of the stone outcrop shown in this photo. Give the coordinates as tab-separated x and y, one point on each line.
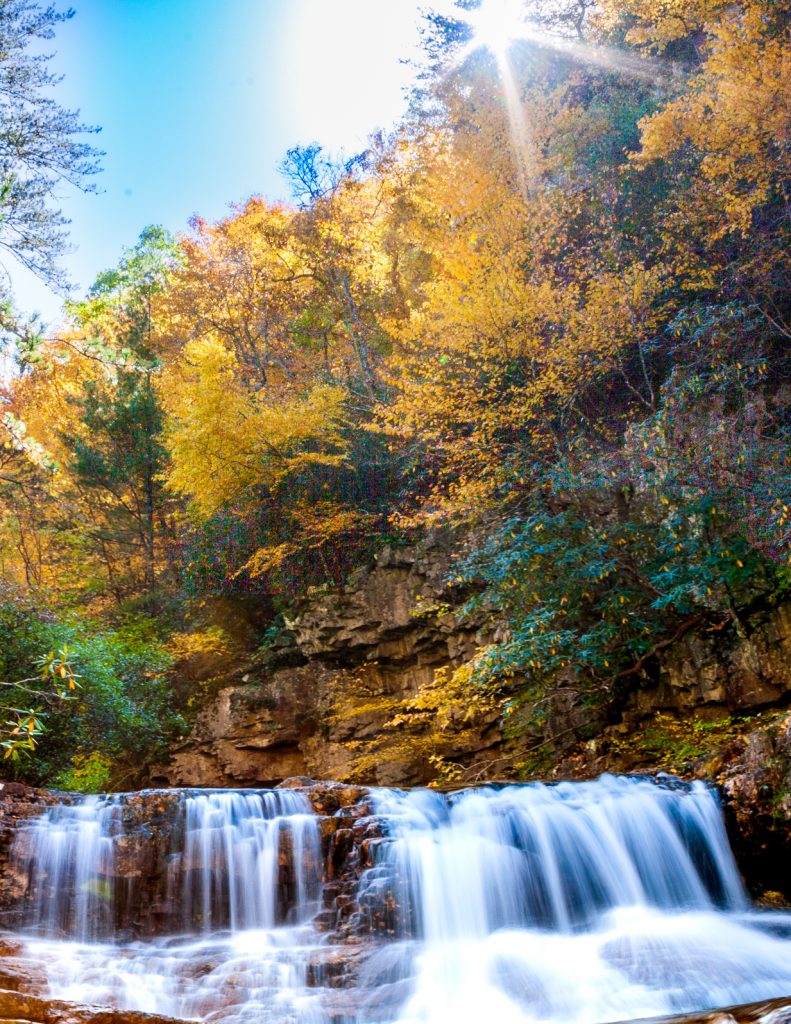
720	672
360	651
252	733
706	677
18	1007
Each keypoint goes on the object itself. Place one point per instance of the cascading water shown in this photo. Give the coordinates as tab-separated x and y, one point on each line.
230	869
572	903
553	858
567	904
243	873
246	860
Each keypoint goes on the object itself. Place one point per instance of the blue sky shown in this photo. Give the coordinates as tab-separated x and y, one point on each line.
198	101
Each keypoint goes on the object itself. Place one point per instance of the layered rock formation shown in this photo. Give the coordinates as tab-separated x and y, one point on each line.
318	707
719	672
358	652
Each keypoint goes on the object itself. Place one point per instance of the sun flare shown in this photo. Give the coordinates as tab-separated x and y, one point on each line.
496	24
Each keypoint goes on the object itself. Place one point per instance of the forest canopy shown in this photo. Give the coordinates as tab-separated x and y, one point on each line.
549	310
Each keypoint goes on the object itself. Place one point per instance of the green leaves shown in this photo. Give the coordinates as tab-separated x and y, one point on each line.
595	575
56	668
20	734
56	682
80	722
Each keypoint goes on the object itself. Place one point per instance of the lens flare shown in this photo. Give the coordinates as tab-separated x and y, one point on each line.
496	24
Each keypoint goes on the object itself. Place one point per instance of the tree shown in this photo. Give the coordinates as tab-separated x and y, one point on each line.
81	434
270	334
116	448
41	145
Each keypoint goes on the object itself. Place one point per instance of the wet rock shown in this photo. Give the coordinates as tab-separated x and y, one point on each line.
370	827
756	787
296	782
18	804
14	1006
771	1011
341	847
20	974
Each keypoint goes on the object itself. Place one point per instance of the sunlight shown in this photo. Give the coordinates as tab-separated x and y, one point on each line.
496	24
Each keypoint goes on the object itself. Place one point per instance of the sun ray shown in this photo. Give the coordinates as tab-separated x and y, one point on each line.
499	25
496	23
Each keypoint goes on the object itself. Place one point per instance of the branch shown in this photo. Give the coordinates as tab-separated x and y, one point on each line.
686	625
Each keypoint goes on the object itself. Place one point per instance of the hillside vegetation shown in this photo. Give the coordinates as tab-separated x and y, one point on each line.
550	309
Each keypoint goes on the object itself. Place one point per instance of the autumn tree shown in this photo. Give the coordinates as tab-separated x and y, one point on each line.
274	331
83	423
592	370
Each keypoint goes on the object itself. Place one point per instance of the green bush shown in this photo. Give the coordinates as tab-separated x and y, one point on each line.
679	518
121	715
89	773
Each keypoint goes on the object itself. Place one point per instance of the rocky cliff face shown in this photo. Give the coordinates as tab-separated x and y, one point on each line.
717	671
358	653
362	650
726	685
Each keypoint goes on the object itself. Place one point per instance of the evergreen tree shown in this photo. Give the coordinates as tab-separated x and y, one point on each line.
42	144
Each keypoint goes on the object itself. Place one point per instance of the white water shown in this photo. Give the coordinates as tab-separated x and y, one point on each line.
230	864
569	904
226	875
71	847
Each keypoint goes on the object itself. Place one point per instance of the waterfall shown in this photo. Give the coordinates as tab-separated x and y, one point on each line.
576	903
246	860
230	868
68	853
550	857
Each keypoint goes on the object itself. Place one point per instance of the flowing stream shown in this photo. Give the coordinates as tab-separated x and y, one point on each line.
569	904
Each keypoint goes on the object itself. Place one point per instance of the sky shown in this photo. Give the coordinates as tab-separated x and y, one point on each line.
198	101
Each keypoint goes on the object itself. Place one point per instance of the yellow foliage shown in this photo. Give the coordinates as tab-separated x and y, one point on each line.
734	110
313	526
512	321
212	641
43	538
661	22
224	439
